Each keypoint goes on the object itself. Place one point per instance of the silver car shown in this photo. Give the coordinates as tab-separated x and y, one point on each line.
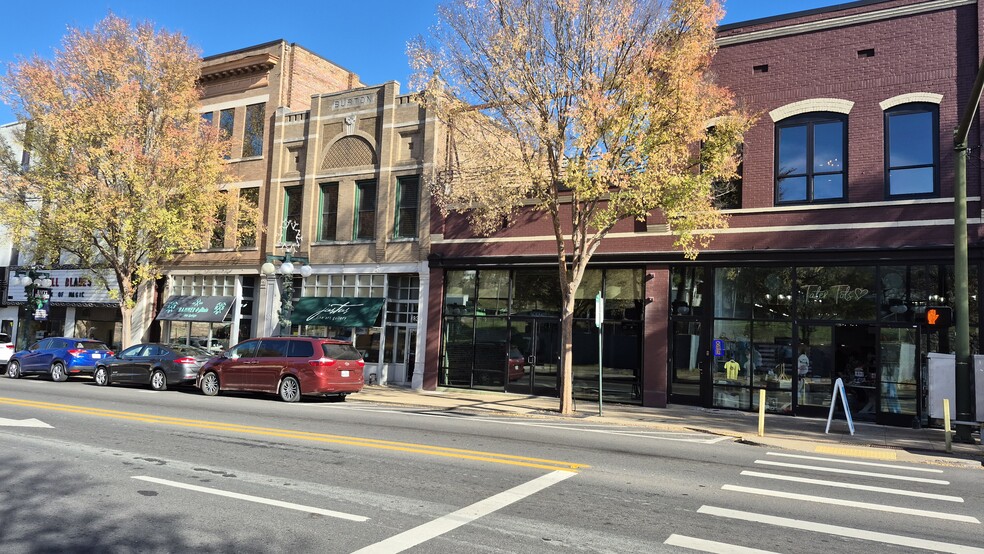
154	364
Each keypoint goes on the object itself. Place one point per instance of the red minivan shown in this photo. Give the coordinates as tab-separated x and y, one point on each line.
288	366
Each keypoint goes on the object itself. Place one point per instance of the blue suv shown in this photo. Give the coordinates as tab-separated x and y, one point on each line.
58	357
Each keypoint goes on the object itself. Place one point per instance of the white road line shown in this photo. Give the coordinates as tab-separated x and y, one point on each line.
841	531
853	472
851	503
450	522
886	490
854	462
257	499
710	546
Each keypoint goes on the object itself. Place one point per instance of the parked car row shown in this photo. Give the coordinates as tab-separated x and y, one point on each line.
290	367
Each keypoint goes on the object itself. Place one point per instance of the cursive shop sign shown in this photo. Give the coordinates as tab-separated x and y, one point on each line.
834	294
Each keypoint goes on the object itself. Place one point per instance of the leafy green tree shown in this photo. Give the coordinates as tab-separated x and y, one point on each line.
124	173
590	111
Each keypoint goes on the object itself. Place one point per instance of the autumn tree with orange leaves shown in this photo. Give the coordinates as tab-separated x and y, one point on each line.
123	175
594	111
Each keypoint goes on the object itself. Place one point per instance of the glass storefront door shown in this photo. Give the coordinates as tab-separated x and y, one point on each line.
898	378
689	363
535	344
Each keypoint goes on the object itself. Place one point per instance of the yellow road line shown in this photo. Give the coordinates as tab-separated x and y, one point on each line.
870	453
475	455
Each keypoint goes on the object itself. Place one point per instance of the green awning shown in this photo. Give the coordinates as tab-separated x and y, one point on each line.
337	311
196	308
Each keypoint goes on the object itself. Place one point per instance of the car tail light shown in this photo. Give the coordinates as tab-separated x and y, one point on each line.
110	353
186	360
10	346
361	362
322	362
75	351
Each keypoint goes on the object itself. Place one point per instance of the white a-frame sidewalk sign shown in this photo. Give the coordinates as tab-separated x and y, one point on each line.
839	387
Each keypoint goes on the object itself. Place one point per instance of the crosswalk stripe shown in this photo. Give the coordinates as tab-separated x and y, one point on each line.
851	503
853	462
850	532
870	488
694	543
854	472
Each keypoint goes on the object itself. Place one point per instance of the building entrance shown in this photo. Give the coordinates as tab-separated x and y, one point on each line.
534	356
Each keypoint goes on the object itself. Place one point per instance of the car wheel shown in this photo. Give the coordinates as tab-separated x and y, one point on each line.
101	376
290	390
13	370
210	384
58	372
157	380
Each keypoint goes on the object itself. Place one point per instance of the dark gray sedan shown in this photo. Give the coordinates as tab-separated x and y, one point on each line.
154	364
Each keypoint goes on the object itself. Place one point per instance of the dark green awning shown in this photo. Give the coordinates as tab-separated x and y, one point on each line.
337	311
196	308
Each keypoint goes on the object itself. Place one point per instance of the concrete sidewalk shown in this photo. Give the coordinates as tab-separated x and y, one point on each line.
880	442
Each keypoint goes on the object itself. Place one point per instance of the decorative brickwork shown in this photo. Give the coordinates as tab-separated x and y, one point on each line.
349	152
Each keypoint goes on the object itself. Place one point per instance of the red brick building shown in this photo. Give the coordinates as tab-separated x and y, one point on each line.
840	237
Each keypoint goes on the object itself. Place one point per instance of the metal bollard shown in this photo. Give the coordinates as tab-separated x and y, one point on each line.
761	412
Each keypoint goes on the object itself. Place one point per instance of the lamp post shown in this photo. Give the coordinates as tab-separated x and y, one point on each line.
286	271
37	288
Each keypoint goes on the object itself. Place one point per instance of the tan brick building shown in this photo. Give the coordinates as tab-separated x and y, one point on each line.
349	172
242	91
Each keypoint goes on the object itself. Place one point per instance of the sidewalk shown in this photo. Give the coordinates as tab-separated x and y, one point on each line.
877	442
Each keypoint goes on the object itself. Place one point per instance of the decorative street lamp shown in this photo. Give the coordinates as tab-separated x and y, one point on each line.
37	287
286	271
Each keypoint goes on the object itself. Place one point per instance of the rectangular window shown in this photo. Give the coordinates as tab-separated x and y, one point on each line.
365	216
246	223
811	159
329	211
218	232
207	117
292	213
407	194
253	133
726	193
226	120
911	149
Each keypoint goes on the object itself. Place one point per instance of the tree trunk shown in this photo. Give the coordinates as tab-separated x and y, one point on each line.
127	313
566	359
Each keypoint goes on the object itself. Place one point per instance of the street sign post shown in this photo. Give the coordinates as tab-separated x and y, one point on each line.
599	319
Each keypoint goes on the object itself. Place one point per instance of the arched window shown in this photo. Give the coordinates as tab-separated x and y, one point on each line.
912	151
811	158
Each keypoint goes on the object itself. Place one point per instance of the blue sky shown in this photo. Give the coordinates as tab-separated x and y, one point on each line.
366	37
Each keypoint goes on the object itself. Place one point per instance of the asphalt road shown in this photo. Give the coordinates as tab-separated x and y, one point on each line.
124	469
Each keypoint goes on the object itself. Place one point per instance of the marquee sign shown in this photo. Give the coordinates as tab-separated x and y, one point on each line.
69	287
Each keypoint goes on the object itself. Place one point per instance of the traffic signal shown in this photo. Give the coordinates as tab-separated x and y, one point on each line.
939	316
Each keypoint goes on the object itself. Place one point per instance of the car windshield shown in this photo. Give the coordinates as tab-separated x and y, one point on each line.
186	350
91	345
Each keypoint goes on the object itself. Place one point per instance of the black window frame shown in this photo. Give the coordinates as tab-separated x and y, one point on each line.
909	109
809	121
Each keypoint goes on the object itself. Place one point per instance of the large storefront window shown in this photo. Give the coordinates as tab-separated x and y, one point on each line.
501	330
795	331
214	336
836	293
753	292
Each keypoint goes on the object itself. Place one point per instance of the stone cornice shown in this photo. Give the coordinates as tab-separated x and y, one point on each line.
257	63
